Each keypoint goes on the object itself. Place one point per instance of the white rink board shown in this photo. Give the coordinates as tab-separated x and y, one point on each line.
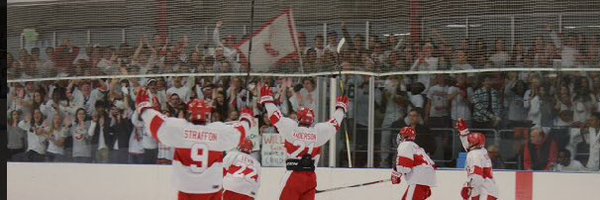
569	186
69	181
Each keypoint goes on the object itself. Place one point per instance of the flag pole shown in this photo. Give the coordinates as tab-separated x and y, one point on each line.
250	42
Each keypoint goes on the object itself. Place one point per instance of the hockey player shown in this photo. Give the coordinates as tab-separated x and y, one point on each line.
242	178
303	142
481	184
415	165
199	145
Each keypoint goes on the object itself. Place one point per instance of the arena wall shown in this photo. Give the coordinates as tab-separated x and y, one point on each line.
68	181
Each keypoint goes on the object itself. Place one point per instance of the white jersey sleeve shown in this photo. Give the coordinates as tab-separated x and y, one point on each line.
242	173
327	130
463	139
283	124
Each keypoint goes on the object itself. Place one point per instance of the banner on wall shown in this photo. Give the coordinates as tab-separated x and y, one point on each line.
273	151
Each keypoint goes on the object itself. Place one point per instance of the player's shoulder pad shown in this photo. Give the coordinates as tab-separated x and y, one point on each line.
406	145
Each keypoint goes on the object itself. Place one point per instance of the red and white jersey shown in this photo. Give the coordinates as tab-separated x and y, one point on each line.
199	149
300	140
242	174
479	169
415	164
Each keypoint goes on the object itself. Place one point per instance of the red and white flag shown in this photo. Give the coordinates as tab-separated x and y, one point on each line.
275	42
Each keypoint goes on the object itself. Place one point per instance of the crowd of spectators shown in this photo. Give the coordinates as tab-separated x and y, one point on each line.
92	120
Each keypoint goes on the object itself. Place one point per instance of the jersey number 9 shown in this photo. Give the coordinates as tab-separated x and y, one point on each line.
199	154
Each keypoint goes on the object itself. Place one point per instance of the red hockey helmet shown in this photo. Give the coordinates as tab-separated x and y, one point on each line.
246	146
306	116
199	111
408	133
476	140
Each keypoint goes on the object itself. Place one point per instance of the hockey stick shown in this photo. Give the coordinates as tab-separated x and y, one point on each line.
339	47
351	186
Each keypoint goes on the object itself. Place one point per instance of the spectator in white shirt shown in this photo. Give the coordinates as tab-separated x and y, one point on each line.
183	91
462	62
55	105
136	147
48	66
566	164
82	96
395	109
459	96
569	54
500	58
594	142
36	136
229	50
307	96
57	134
332	41
583	101
99	93
82	152
437	108
107	62
425	62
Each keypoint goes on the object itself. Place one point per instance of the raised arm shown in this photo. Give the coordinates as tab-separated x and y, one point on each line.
333	125
167	130
463	131
216	34
283	124
137	51
346	34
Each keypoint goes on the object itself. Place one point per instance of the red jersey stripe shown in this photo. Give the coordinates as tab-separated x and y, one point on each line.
184	156
155	124
406	162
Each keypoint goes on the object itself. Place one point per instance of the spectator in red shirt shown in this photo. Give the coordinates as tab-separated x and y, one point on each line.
540	152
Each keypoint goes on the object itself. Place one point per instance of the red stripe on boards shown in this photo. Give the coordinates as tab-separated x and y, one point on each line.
524	185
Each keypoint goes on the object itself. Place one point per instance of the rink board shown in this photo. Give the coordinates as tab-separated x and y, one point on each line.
69	181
